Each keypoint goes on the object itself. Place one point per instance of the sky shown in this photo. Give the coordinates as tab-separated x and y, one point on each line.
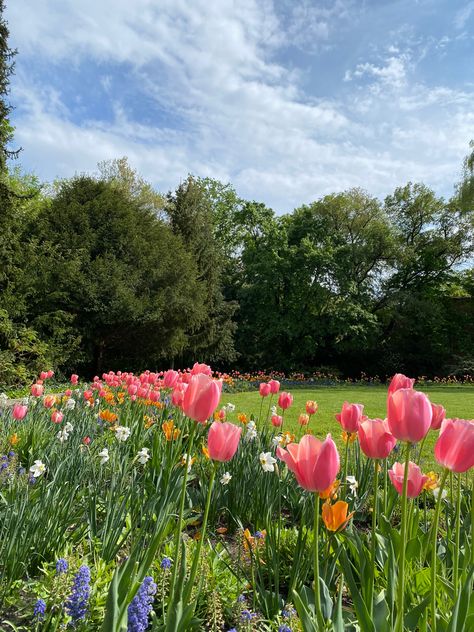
287	99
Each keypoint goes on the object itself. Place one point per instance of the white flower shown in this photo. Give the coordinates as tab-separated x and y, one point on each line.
251	434
184	459
122	433
38	468
229	407
70	404
68	427
353	484
267	461
104	456
88	404
226	478
63	435
278	440
443	494
143	456
3	399
25	401
273	410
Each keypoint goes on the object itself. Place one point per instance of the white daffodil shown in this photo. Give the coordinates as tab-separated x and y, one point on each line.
122	433
278	440
251	434
273	410
68	427
226	478
143	456
353	484
184	459
70	404
3	399
229	408
436	493
267	461
62	435
38	468
104	456
251	425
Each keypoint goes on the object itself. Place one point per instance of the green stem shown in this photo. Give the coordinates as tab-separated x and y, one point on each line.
260	412
177	538
401	562
373	541
421	449
434	550
385	486
317	596
346	457
457	539
472	523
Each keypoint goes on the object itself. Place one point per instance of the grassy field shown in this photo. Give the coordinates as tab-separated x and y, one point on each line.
458	401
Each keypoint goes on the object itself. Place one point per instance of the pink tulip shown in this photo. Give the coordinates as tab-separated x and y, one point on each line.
223	441
57	417
49	401
177	397
264	389
50	373
375	439
88	394
303	419
19	411
439	415
285	400
142	392
274	386
132	389
454	448
416	479
277	420
409	415
37	390
44	375
315	464
201	368
154	395
74	379
170	378
201	397
68	392
399	381
311	407
350	416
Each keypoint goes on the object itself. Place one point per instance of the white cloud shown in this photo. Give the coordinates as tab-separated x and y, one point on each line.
463	15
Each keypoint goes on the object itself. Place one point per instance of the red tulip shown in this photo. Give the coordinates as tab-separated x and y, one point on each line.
50	374
315	464
132	389
74	378
19	411
37	390
154	395
88	394
375	439
277	420
311	407
223	441
454	448
86	440
416	479
439	415
409	415
44	375
201	397
274	386
400	381
57	417
264	389
170	378
350	416
285	400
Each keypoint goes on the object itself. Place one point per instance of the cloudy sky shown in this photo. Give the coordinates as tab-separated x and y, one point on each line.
287	99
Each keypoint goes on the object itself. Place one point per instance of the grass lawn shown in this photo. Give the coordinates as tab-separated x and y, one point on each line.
458	401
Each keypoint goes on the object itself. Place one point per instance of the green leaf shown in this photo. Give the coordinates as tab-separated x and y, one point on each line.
458	620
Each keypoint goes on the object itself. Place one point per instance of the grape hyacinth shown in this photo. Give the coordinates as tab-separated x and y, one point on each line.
61	566
76	605
165	563
39	609
141	606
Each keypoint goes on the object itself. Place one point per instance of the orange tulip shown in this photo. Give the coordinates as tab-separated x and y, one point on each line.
331	491
335	516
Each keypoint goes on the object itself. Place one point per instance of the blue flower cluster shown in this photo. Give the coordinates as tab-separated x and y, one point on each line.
284	628
165	563
76	605
141	606
61	566
39	609
247	615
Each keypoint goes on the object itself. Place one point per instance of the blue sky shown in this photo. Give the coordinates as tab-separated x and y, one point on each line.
287	99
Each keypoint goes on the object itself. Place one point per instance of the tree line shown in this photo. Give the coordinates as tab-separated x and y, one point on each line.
101	271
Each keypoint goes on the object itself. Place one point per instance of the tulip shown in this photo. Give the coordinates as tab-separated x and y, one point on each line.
201	368
350	416
376	440
132	389
303	419
400	381
88	394
264	389
74	379
50	374
170	378
37	390
285	400
49	401
335	516
277	421
86	440
439	415
177	395
57	417
315	464
201	397
409	415
154	395
68	392
415	479
311	407
19	411
44	375
274	386
454	448
223	441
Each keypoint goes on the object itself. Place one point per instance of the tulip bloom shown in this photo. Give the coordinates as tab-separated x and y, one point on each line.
201	397
274	386
400	381
57	417
74	379
285	400
454	448
303	419
277	420
201	368
335	516
264	389
315	464
44	375
409	415
170	378
350	416
19	411
177	395
223	441
311	407
49	401
37	390
376	440
439	415
416	479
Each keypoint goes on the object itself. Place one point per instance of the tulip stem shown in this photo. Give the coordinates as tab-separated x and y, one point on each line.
177	538
346	457
401	559
385	485
434	549
472	523
421	449
457	538
260	412
373	540
317	596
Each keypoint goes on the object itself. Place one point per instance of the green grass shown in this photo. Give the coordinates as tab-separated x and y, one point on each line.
458	401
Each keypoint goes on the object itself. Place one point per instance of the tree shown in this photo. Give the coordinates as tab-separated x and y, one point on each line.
6	70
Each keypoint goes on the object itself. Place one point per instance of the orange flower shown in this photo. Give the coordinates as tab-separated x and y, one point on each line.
205	451
349	436
331	491
149	421
171	433
242	417
14	439
108	415
287	438
221	530
432	482
335	516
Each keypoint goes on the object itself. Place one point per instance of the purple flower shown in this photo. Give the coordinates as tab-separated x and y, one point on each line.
39	609
284	628
247	615
141	606
165	563
61	566
76	605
